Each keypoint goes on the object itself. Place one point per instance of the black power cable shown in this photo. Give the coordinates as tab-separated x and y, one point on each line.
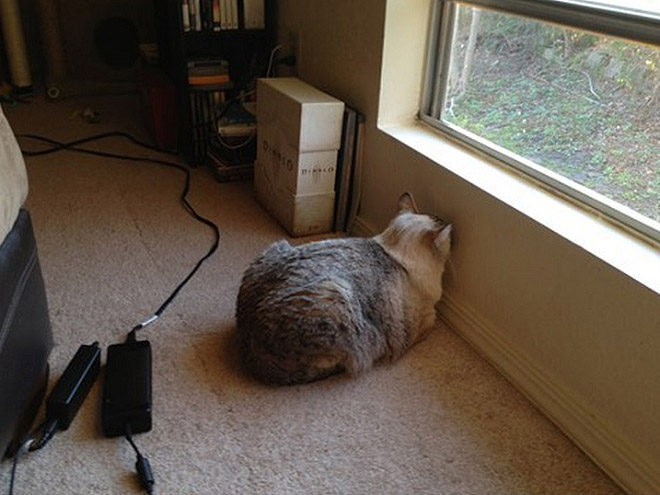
24	445
73	146
48	427
68	410
142	465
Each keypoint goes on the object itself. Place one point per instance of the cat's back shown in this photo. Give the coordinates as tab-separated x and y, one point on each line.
306	312
350	259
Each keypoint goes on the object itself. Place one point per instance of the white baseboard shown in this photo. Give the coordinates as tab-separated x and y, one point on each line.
616	456
607	448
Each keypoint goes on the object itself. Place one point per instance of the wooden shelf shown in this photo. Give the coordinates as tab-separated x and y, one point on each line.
246	50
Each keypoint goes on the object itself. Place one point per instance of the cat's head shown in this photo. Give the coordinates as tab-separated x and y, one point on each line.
414	235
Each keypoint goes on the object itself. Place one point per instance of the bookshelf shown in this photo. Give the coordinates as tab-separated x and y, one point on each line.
245	50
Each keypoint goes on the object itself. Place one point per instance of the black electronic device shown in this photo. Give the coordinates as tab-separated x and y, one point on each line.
127	392
69	392
73	386
127	389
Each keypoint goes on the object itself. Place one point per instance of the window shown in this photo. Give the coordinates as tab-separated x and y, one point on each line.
568	92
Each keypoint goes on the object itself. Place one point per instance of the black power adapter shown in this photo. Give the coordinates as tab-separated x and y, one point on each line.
70	391
74	385
127	389
64	401
127	398
127	402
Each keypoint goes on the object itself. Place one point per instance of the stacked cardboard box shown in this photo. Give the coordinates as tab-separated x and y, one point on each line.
299	133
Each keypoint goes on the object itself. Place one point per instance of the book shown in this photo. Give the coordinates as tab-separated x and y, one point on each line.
220	15
198	125
343	175
254	14
224	14
203	116
185	15
203	14
233	14
209	74
205	66
355	197
210	79
216	15
195	15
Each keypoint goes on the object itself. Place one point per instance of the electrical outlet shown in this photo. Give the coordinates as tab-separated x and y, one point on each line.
294	40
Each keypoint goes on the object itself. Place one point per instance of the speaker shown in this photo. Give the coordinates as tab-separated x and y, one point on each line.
100	39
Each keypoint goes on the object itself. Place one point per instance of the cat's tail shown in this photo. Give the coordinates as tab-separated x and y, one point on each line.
292	370
309	374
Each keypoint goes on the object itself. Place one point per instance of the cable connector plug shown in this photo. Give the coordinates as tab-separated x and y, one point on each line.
142	465
47	432
145	474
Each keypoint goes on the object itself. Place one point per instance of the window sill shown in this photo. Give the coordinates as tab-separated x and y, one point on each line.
626	251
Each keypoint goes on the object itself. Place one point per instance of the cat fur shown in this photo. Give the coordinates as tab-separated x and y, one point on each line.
305	313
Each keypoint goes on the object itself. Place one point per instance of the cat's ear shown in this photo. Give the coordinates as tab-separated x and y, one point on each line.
407	203
443	239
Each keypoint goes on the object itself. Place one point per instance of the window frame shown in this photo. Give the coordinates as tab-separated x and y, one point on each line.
609	20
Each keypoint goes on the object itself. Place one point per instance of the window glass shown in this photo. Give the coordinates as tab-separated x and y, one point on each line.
578	104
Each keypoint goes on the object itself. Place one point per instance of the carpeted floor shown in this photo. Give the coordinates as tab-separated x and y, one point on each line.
114	241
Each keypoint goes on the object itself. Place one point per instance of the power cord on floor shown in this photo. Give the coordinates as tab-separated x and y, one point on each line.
12	477
73	146
142	465
73	386
24	445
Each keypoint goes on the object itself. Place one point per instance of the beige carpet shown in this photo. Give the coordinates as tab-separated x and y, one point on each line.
114	241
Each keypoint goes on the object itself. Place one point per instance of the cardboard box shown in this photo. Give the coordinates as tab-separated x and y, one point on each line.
299	133
300	215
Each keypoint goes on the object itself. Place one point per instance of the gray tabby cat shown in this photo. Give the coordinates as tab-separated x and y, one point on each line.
305	313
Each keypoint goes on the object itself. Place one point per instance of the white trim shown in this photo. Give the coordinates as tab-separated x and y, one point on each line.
628	22
633	24
607	448
628	217
622	249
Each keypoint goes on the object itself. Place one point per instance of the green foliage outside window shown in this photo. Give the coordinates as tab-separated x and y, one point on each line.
580	104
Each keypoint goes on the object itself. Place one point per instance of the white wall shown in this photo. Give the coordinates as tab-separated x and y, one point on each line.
577	335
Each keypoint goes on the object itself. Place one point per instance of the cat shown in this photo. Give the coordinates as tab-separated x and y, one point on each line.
305	313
